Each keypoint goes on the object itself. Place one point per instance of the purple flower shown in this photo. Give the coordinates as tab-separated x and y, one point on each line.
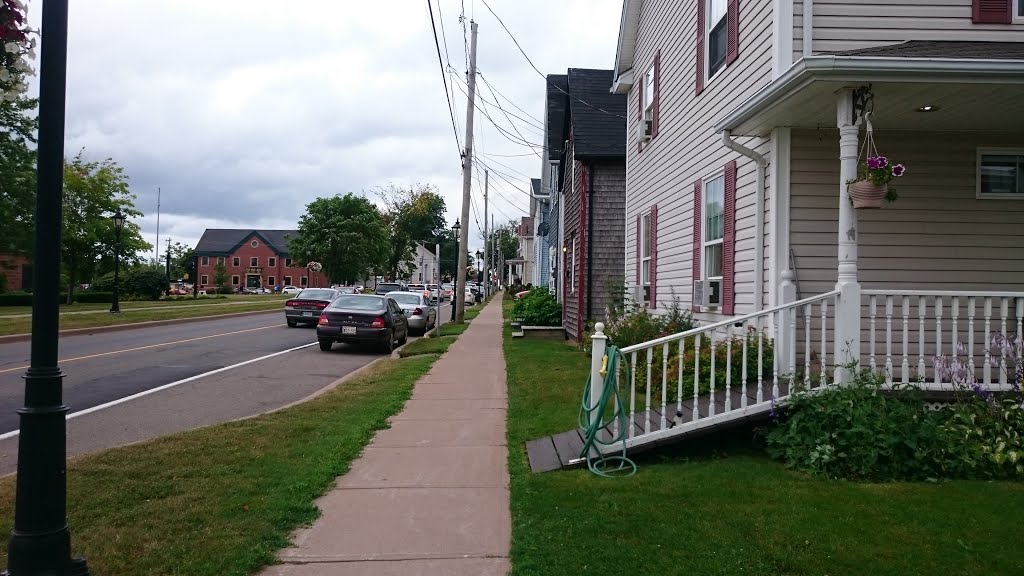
773	414
874	162
882	161
898	170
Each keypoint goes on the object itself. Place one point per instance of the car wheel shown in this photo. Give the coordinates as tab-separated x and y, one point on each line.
325	344
292	323
404	338
388	346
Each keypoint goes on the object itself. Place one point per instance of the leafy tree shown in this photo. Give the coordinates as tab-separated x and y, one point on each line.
220	276
346	234
414	214
507	242
181	256
148	282
18	124
93	191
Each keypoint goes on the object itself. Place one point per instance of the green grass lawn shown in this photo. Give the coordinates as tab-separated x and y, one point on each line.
427	346
221	501
717	505
132	304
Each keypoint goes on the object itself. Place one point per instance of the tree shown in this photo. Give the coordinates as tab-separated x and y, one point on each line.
18	124
507	242
414	214
346	234
220	276
93	191
181	256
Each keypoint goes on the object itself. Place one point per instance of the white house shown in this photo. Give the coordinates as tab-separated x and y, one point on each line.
424	265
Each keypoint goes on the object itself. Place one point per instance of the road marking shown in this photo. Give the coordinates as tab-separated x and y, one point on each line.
112	403
146	347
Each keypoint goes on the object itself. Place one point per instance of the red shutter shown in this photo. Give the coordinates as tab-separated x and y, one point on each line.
697	239
729	242
701	25
640	110
992	11
639	245
657	93
732	32
654	257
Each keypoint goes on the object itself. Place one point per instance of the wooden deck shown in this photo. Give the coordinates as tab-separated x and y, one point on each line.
561	450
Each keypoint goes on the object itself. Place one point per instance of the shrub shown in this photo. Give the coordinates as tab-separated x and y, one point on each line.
16	299
94	297
144	283
538	308
105	283
512	290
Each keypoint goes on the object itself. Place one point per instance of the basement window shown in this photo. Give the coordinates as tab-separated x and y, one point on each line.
1000	173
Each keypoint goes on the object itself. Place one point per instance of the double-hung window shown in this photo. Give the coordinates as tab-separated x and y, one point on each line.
716	35
254	261
714	226
272	262
1019	12
648	92
645	255
1001	173
236	261
205	261
220	260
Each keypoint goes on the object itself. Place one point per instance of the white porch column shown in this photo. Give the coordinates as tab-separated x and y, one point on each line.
847	328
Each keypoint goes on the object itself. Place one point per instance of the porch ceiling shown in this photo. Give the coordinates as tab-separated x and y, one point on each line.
968	95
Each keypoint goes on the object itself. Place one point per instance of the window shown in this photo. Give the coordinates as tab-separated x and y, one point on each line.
254	261
236	261
1000	173
272	262
254	243
716	35
304	281
714	226
234	279
287	280
553	178
206	261
203	279
645	255
1020	10
288	262
220	260
271	281
648	93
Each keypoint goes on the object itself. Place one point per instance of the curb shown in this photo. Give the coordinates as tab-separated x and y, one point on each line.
132	326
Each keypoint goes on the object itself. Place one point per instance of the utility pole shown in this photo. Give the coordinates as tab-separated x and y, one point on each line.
487	274
156	257
168	256
467	183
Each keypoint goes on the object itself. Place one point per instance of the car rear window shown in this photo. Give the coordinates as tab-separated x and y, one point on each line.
388	287
317	294
358	302
407	298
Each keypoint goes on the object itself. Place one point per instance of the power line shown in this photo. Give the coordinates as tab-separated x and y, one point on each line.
530	124
444	80
509	100
491	154
515	139
556	87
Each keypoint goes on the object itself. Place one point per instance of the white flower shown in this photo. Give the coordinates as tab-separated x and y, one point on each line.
12	47
5	75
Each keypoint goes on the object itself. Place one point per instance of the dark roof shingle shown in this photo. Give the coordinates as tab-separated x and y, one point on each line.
225	240
557	85
597	117
943	49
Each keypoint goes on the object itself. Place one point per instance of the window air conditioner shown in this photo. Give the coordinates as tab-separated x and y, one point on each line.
707	293
644	130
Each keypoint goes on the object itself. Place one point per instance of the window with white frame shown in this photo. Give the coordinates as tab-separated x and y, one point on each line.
204	279
272	262
288	262
303	281
220	260
206	261
236	261
714	226
645	255
716	35
235	280
1000	173
1019	13
287	280
254	261
271	281
648	92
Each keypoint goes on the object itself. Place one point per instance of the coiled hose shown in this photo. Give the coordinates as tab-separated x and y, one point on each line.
601	464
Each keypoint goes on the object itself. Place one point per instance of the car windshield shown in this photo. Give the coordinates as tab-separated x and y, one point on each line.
317	294
358	302
432	286
406	298
391	287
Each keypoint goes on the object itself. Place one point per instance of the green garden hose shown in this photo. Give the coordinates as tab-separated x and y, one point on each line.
603	465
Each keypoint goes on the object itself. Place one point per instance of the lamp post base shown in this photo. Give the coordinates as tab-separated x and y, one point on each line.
76	566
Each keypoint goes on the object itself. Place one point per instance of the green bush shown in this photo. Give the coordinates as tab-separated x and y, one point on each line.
538	308
144	283
94	297
105	283
16	299
511	291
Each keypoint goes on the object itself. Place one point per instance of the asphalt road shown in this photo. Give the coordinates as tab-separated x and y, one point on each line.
103	369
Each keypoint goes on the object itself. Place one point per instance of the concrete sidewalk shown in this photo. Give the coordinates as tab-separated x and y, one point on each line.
429	495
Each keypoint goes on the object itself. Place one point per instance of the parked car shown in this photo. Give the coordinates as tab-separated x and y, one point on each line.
307	305
256	290
435	292
348	290
363	318
385	287
469	298
291	290
447	291
417	310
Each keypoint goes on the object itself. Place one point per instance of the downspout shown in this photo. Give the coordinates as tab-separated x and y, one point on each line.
808	28
759	226
588	178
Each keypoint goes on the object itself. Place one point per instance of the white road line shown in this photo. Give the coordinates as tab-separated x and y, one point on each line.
112	403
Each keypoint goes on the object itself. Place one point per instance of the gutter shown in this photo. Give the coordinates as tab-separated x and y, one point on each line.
588	177
759	226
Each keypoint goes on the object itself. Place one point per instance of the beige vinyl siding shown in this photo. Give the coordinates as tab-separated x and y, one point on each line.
798	30
852	24
937	236
686	148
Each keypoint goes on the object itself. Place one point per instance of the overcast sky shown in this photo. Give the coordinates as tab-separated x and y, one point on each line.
244	111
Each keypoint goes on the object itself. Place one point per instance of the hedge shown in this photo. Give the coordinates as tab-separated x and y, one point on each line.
94	297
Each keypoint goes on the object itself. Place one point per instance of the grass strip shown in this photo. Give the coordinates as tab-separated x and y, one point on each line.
221	501
69	321
427	346
717	505
126	305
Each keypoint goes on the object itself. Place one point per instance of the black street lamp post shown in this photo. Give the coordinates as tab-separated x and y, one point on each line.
118	218
40	542
456	298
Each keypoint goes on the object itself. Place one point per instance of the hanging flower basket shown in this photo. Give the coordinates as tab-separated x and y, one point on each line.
315	266
874	173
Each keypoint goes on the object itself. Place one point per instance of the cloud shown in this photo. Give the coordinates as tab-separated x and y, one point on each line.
244	111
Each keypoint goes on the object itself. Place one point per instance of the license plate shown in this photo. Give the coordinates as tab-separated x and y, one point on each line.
307	313
348	329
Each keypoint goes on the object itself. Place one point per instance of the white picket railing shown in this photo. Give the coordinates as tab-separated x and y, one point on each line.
774	351
908	328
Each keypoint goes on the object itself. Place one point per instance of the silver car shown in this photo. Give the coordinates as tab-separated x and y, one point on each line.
306	306
417	310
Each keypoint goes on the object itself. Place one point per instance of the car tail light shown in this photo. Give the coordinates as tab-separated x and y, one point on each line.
320	304
378	322
291	303
417	312
323	319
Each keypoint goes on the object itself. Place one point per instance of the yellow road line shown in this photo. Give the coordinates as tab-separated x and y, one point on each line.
147	347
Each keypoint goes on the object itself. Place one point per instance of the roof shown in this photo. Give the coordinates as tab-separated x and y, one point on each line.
597	118
227	240
625	47
557	86
535	185
943	49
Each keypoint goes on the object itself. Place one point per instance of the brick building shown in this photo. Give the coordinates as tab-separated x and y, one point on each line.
17	270
252	258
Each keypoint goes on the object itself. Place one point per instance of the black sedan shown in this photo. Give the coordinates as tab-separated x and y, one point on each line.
306	306
363	319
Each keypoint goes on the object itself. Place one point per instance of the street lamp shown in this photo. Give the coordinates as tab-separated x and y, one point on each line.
456	297
118	218
40	541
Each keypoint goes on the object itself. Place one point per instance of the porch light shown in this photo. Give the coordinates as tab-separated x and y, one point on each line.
928	108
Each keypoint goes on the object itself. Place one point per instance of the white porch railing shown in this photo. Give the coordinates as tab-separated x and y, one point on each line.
906	329
722	371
